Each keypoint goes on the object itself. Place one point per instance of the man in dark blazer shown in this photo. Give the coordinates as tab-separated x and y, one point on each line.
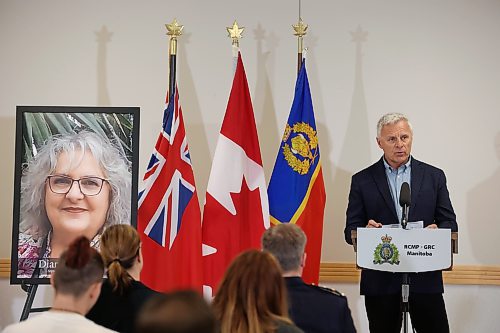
313	309
374	202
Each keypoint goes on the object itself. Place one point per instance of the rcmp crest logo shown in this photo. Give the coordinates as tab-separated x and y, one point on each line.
386	252
300	147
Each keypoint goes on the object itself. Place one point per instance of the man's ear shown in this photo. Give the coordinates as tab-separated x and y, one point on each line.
303	260
52	279
95	290
378	142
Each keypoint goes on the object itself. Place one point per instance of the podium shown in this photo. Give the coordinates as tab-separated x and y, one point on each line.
404	251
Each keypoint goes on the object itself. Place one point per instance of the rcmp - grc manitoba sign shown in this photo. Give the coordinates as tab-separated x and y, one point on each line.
398	250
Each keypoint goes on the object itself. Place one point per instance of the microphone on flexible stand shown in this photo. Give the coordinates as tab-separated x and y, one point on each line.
405	202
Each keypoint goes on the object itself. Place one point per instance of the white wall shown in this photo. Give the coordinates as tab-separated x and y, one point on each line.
436	61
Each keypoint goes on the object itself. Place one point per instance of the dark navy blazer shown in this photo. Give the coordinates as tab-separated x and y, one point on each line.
370	199
318	310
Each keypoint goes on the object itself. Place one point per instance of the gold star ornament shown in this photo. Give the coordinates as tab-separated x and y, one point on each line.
300	28
235	33
174	29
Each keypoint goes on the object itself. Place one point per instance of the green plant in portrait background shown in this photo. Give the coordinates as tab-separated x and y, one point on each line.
39	127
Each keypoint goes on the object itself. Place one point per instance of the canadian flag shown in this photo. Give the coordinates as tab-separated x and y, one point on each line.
236	209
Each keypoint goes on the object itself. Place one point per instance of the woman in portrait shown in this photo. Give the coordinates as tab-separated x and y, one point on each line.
252	296
76	185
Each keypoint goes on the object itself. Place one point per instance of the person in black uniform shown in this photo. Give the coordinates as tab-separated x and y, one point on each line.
122	294
314	309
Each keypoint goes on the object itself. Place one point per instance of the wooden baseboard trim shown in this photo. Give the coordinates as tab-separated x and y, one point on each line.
461	274
4	268
339	272
469	274
347	272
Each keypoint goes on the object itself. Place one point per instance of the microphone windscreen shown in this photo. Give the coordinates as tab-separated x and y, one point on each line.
405	195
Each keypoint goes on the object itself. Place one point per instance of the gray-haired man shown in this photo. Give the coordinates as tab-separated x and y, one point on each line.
312	308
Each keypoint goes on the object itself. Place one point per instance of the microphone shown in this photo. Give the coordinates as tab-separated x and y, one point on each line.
405	202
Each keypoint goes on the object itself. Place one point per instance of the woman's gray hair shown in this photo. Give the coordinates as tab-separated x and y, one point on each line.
389	119
114	165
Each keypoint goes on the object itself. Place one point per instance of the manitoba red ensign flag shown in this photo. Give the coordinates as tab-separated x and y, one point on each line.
169	219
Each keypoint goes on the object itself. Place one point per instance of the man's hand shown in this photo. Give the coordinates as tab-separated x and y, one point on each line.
374	224
432	226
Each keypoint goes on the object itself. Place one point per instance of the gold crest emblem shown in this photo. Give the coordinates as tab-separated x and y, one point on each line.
300	147
386	252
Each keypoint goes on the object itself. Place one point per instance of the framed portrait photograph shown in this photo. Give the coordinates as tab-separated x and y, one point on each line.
76	172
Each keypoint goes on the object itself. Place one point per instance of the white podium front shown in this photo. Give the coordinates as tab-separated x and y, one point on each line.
399	250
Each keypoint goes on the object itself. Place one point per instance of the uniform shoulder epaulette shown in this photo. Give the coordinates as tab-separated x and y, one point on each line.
329	290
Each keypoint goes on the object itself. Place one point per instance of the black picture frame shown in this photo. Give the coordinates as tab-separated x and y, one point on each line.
37	124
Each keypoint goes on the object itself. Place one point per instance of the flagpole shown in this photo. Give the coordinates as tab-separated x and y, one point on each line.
174	30
235	33
300	30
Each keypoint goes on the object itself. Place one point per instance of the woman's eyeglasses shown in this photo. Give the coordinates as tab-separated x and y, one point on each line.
89	186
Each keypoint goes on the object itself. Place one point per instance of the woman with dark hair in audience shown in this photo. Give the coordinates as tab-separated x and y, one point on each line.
252	296
77	283
122	295
178	312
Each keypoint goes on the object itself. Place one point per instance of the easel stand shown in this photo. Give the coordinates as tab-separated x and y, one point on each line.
400	250
30	289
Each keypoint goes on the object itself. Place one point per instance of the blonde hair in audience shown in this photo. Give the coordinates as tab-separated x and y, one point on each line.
120	246
252	296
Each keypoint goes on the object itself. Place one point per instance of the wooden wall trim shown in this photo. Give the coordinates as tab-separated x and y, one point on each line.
461	274
4	268
338	272
347	272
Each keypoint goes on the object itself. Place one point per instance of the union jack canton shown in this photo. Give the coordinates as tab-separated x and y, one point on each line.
168	180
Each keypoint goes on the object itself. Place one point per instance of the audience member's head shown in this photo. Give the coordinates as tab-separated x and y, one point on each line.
178	312
252	295
77	277
287	242
120	249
